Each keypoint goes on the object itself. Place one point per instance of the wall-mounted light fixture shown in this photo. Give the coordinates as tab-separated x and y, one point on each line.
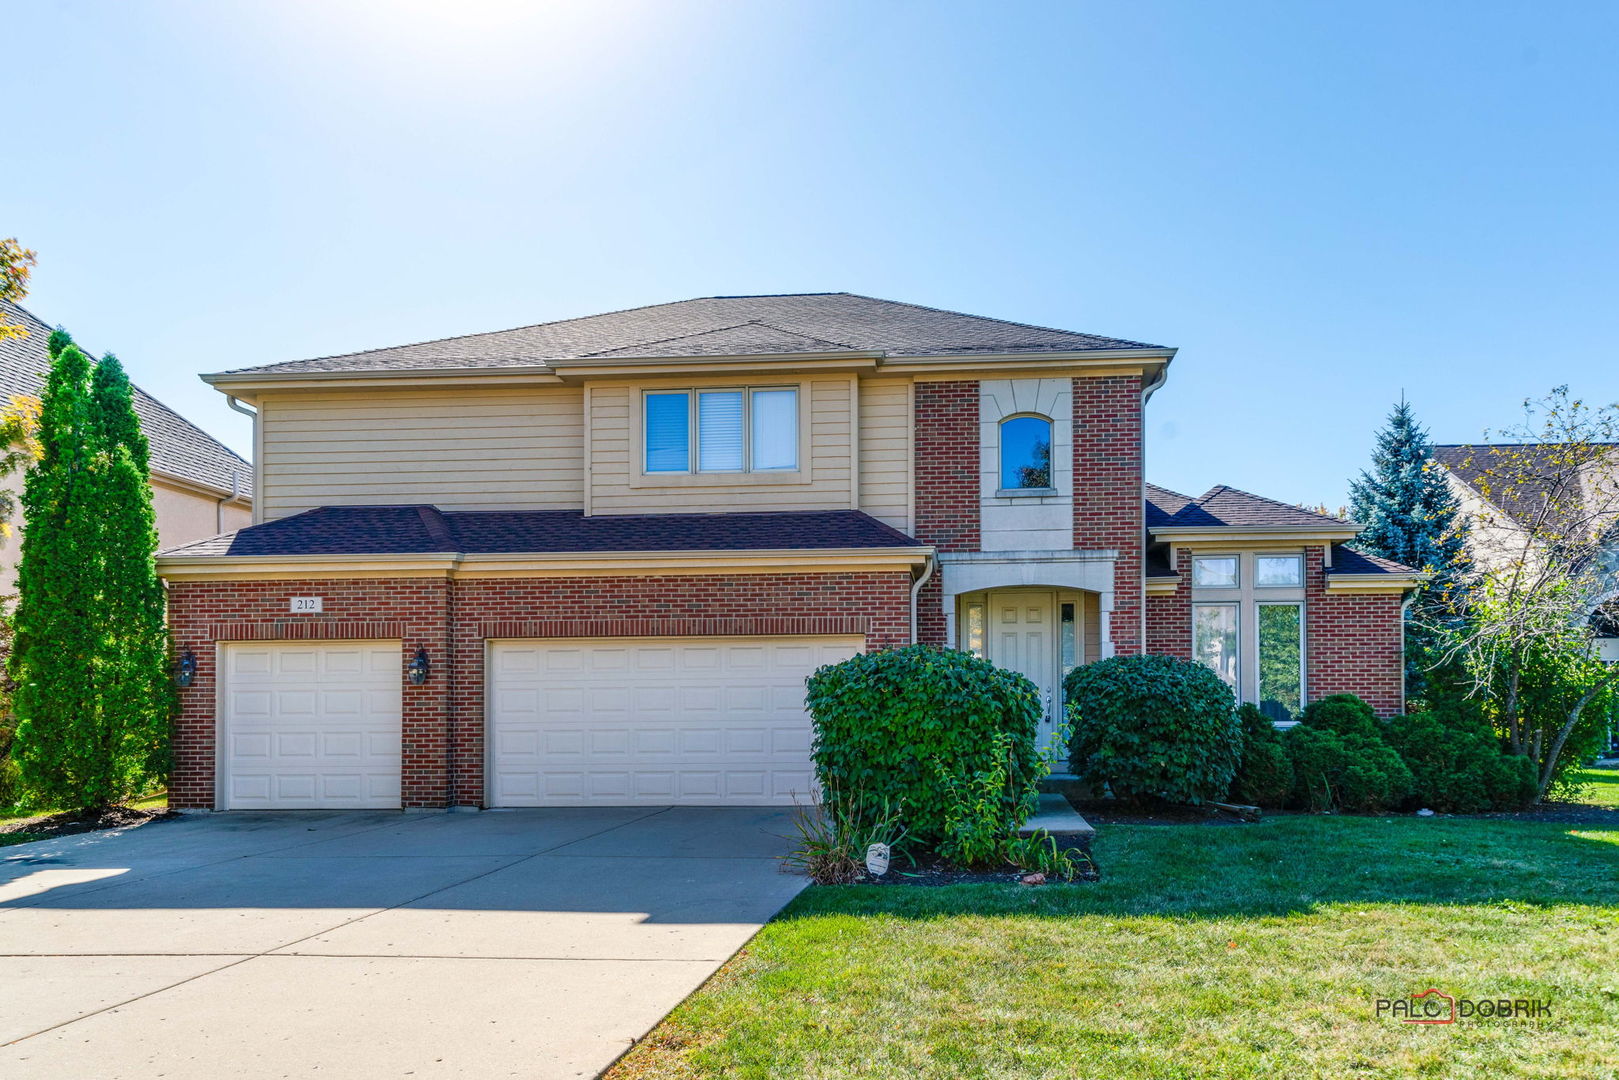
185	668
418	668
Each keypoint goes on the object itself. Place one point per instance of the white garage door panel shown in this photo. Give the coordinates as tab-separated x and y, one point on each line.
700	721
312	726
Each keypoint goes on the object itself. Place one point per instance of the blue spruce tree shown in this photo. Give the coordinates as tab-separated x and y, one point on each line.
1412	517
1410	513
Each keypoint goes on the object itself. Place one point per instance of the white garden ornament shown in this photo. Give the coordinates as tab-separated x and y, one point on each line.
877	860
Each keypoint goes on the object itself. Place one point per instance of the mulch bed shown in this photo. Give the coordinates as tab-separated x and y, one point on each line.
1105	812
929	872
51	826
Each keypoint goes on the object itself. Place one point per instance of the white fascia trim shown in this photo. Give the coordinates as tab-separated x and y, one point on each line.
562	364
233	381
994	557
1002	359
1374	583
1221	533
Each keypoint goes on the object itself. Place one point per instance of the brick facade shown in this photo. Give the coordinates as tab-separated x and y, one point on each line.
947	466
443	723
1109	493
1355	643
1169	618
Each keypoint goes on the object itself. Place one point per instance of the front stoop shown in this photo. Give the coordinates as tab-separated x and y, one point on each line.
1062	821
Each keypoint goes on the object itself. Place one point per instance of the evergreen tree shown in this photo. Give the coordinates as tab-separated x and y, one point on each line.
1412	517
1410	513
90	653
59	746
134	688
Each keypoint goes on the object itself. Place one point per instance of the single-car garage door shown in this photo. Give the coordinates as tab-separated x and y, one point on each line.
616	722
311	725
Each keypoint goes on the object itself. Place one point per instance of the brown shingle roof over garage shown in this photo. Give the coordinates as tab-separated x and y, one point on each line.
180	449
726	325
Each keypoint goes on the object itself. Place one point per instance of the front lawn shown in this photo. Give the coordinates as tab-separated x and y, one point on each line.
1243	951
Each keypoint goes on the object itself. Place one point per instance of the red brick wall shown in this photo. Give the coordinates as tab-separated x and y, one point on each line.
946	467
452	621
1109	493
1355	643
1169	618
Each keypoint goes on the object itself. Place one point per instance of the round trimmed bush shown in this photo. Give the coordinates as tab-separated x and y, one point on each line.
1458	764
1342	714
888	723
1153	726
1351	771
1265	774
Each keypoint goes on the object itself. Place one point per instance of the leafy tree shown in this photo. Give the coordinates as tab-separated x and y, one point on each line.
87	656
16	263
1545	546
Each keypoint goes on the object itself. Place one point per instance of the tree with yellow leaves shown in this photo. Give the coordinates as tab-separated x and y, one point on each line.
16	263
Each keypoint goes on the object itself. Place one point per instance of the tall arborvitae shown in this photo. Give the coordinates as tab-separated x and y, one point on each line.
60	747
136	697
1410	513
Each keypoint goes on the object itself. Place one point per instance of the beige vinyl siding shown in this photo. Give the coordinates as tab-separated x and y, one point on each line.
517	449
616	486
885	451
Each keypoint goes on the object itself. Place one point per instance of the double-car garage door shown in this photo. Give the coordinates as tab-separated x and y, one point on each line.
705	721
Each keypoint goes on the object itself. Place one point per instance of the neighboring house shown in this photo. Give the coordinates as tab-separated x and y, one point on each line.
592	561
199	487
1504	525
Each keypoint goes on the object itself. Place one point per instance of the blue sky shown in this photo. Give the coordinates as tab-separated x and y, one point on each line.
1322	204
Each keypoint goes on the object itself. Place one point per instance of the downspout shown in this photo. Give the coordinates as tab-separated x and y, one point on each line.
916	587
1405	609
1157	380
235	476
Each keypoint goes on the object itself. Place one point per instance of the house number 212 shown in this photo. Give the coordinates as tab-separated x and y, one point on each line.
306	605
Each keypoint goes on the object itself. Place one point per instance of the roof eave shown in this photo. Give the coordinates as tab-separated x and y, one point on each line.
1190	533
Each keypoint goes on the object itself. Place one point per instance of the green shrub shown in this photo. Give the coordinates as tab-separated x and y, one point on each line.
888	723
1342	714
1153	726
1265	774
1458	764
1352	771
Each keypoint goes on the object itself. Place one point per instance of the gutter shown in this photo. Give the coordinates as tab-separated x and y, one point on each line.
916	588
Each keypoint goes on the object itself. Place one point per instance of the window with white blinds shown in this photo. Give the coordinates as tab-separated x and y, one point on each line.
735	430
719	431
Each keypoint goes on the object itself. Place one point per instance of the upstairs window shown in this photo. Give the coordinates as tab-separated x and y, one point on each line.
1025	453
733	430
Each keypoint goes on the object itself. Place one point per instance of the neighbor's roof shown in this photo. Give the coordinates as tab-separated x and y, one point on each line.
425	530
1228	507
1521	477
179	448
725	326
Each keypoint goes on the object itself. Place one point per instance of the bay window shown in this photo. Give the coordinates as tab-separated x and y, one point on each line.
1248	626
730	430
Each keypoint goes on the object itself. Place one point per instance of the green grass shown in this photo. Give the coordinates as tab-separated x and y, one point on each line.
1601	787
7	815
1205	952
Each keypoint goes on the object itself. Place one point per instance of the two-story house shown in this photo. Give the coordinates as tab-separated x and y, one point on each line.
592	561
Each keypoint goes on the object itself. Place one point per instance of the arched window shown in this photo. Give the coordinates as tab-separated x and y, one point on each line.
1026	452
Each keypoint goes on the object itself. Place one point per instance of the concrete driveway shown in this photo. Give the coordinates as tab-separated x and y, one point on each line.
531	943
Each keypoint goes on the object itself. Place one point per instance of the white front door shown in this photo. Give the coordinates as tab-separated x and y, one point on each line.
310	725
1022	636
699	721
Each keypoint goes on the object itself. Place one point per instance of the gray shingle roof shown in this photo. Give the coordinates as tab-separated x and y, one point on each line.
1349	561
1163	504
1522	479
179	448
721	325
1230	507
418	530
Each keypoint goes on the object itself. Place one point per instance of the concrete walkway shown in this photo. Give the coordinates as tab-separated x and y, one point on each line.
531	943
